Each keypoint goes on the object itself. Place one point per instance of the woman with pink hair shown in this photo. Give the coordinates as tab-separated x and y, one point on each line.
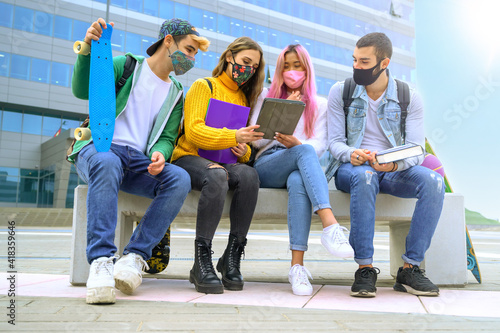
291	162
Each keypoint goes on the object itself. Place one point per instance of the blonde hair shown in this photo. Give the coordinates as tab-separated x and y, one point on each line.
204	43
253	87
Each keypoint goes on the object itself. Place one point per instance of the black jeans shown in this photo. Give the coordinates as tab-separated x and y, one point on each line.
214	180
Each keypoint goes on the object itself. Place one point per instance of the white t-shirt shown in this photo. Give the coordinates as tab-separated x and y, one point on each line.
374	138
134	124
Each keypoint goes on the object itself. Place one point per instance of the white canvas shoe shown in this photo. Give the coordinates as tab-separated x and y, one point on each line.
128	272
335	241
298	277
101	284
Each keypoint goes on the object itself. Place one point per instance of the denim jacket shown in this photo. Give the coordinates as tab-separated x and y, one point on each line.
389	115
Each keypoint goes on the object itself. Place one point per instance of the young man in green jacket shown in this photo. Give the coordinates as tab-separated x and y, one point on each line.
148	113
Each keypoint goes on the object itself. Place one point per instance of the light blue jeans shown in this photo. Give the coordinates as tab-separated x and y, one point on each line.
124	168
298	170
364	183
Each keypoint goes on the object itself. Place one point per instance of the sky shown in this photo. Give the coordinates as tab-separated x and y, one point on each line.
458	76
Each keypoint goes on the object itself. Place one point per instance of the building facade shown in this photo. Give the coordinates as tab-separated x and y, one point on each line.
38	110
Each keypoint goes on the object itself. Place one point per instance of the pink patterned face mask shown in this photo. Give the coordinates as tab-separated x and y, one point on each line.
294	79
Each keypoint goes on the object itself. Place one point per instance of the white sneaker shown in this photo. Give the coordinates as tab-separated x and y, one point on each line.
300	283
335	241
100	284
128	272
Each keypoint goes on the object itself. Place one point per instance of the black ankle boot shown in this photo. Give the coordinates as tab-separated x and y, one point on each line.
203	274
229	264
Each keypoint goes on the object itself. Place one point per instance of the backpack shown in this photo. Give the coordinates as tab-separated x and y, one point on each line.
128	69
403	97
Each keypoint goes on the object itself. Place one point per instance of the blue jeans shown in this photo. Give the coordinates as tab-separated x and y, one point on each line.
363	183
124	168
298	170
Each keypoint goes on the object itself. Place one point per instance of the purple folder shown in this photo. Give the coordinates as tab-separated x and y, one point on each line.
219	115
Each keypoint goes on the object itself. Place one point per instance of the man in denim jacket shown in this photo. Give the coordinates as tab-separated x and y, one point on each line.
373	124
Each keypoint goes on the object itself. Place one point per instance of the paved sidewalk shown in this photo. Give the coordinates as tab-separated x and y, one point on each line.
45	301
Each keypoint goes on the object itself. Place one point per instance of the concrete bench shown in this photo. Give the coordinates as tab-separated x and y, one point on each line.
445	263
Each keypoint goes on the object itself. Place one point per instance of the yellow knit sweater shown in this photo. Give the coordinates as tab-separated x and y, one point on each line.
196	133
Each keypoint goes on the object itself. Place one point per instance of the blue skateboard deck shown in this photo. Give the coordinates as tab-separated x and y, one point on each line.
102	99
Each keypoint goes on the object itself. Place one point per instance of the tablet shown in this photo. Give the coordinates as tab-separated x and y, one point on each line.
279	115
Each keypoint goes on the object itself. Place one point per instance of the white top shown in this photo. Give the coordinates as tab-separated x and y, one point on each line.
134	124
374	138
318	140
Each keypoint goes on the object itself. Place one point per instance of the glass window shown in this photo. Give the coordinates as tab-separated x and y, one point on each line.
298	9
68	123
150	8
166	9
23	19
43	23
63	27
135	5
29	173
6	15
1	114
80	29
119	3
209	20
40	70
4	63
27	190
146	42
308	13
20	67
60	74
46	191
320	85
51	125
12	121
118	40
261	34
32	124
181	11
9	181
236	27
249	29
102	1
274	38
196	17
285	39
224	25
285	6
133	43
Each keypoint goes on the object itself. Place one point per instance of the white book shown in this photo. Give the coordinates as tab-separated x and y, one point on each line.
399	153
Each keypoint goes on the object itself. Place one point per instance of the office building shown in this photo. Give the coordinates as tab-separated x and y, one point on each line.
37	108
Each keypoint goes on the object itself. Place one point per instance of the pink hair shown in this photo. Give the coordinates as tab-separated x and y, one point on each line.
278	87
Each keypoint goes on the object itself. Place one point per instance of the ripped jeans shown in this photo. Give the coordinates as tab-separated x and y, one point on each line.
214	180
364	183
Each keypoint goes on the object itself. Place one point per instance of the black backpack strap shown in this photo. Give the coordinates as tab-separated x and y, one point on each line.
404	100
128	69
349	86
209	85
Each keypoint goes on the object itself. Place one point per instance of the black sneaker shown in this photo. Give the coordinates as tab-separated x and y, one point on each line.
412	280
364	282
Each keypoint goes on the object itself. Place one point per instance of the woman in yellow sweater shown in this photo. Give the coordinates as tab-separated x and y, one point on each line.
238	79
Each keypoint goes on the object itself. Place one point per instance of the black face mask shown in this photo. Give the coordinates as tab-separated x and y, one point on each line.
365	77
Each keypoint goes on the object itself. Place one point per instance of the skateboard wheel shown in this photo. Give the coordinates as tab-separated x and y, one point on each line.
82	134
81	47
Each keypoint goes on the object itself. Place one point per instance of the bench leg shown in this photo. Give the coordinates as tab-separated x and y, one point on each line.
446	259
397	239
79	268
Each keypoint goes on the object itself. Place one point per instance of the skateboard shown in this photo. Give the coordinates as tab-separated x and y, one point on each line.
160	256
102	99
472	264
